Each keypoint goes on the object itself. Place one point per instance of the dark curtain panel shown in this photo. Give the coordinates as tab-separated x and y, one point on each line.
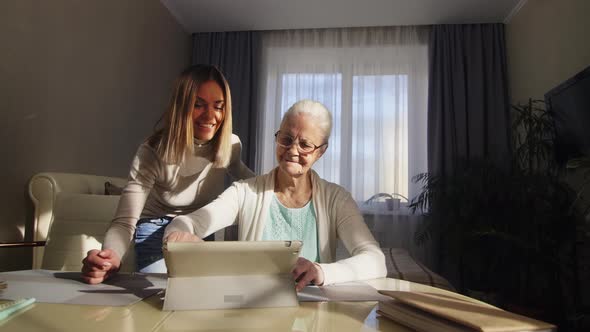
235	54
468	104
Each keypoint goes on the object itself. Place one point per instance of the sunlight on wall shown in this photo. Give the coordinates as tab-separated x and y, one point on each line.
21	231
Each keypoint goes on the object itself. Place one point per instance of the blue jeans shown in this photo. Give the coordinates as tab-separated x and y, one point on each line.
148	244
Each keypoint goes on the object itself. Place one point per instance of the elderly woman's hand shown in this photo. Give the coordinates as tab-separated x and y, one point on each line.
182	237
306	272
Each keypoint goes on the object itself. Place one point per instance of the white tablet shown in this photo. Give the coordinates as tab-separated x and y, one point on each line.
230	274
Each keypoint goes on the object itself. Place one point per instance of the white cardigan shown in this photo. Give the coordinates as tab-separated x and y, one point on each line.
247	203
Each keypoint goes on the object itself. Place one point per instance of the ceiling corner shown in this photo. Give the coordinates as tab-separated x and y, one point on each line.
514	11
175	12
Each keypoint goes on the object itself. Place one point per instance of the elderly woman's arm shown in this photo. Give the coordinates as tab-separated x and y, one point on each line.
367	260
218	214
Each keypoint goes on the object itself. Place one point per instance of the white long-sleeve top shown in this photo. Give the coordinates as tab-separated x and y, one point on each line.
156	189
247	203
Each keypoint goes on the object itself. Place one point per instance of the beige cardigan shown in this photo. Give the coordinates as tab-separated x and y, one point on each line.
247	203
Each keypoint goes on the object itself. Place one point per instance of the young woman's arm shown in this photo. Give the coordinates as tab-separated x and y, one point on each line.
145	169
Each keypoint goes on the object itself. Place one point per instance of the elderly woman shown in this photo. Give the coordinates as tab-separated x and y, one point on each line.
293	203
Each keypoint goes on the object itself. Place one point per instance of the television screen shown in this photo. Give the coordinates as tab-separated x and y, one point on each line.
569	105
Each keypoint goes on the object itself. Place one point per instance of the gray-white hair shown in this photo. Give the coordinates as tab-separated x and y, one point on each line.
320	114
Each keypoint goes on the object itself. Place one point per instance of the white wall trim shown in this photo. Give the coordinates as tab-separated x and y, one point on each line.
514	11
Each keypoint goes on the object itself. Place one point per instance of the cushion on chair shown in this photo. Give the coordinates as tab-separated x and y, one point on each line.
401	265
79	224
112	189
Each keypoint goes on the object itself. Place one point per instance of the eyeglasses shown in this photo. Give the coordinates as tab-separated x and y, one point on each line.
303	146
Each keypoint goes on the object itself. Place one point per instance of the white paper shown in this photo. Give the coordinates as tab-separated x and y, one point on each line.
67	287
124	289
349	291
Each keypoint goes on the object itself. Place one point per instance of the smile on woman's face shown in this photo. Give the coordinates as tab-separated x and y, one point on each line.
208	111
291	161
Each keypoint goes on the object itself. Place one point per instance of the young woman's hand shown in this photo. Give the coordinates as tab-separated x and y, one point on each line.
306	272
182	237
99	265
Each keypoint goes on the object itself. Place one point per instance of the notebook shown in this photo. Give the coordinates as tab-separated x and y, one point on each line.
230	274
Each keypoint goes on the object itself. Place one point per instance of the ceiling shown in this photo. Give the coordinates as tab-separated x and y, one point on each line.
240	15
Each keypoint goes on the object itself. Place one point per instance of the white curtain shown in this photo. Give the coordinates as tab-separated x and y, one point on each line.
375	83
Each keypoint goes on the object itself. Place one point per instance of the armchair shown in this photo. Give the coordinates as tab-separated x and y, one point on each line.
71	214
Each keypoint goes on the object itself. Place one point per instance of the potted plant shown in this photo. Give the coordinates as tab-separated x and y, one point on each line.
505	230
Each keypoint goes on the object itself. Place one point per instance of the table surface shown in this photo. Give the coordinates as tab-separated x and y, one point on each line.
147	315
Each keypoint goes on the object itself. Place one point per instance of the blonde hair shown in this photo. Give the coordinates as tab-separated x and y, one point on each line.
176	137
320	114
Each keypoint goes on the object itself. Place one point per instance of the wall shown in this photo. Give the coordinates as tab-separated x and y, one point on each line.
547	42
81	84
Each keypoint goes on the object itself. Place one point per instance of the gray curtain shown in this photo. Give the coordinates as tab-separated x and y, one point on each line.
235	53
468	103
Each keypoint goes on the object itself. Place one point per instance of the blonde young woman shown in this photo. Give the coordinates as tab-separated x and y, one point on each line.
293	203
178	169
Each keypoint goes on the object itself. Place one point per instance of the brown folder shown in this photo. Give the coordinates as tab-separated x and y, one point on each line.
440	312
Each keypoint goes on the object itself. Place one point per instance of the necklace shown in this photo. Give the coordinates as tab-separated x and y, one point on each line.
199	143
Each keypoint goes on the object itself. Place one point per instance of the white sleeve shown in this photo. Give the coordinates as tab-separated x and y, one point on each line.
220	213
367	260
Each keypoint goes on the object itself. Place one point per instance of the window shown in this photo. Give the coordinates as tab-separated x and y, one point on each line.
377	95
380	135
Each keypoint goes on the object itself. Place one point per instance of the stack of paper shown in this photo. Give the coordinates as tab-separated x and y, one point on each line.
437	312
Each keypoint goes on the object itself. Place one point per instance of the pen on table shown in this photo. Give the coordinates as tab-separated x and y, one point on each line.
16	306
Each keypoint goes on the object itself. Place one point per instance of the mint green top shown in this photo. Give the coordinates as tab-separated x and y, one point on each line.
293	224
